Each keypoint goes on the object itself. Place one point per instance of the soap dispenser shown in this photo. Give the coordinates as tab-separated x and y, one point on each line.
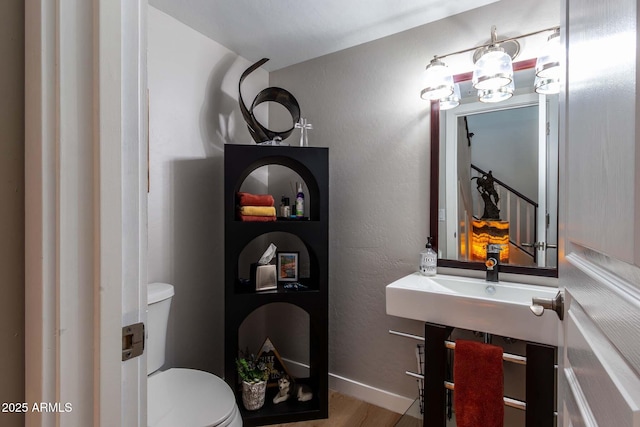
428	260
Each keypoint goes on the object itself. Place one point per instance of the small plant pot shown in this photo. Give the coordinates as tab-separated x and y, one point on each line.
253	395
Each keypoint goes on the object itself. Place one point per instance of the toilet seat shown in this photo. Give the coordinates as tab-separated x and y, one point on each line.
190	398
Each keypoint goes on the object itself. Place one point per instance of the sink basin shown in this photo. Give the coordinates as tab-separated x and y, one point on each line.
475	304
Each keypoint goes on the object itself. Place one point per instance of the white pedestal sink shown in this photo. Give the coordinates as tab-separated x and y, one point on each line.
475	304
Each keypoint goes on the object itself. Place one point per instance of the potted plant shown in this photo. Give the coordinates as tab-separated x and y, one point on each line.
254	375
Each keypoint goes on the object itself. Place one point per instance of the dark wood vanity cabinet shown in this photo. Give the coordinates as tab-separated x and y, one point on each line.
312	165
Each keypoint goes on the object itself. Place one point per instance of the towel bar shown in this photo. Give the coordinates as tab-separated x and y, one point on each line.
406	335
540	379
513	403
508	357
508	401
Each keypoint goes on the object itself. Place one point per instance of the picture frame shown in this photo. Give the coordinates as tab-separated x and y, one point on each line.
288	266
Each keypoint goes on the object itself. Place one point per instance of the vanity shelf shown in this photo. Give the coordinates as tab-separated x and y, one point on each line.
312	165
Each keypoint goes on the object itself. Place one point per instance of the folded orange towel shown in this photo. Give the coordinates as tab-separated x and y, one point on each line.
248	199
250	218
479	386
258	210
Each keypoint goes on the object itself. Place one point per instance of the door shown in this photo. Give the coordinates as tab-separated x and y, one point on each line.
599	363
85	210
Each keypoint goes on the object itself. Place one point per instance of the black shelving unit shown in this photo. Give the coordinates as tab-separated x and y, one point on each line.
312	164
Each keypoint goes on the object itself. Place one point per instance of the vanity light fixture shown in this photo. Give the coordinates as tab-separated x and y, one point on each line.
439	81
493	73
496	95
494	64
451	101
547	86
548	66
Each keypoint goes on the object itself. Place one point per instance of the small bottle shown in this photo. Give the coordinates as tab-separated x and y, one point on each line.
300	202
285	209
428	260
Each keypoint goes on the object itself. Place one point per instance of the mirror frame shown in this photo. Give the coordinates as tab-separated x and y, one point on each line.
435	188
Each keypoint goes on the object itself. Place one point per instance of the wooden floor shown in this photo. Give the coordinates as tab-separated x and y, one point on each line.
345	411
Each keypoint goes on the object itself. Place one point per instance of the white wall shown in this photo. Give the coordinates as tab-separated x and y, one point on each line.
364	105
12	207
193	107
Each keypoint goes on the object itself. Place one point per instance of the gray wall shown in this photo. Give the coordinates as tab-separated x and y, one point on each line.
364	105
12	207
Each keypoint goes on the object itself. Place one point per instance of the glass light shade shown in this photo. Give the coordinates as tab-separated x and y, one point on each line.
439	81
547	86
548	64
493	70
496	95
451	101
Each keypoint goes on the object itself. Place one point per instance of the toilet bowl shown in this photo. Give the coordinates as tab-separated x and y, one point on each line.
178	396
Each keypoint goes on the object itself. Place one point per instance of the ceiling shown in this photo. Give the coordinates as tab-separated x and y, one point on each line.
293	31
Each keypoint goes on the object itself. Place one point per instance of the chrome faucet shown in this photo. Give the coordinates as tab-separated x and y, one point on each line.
493	262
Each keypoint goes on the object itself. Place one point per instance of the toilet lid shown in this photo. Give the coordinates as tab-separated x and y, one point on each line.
188	397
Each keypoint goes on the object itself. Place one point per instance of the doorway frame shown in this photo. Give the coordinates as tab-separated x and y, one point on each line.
85	209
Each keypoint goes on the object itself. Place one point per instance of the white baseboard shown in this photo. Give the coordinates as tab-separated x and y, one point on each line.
375	396
349	387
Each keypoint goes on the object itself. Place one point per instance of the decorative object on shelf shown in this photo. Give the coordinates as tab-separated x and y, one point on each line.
275	141
287	266
304	127
493	73
248	199
259	133
295	286
287	388
299	201
276	368
255	207
263	273
285	208
265	277
254	376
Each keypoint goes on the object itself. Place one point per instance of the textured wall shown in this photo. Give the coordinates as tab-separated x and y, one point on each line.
364	105
193	111
12	207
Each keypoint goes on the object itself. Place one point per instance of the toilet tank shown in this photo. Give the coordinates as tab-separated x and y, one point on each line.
159	302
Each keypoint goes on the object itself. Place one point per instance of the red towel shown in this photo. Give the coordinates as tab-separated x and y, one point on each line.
479	385
248	199
253	218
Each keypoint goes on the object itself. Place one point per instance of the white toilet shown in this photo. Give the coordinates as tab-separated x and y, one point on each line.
181	397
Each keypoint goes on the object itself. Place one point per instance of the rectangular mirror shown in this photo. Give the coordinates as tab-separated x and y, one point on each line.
498	161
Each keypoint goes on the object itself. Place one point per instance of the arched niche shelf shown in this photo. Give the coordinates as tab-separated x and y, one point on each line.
313	170
309	268
292	341
279	181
